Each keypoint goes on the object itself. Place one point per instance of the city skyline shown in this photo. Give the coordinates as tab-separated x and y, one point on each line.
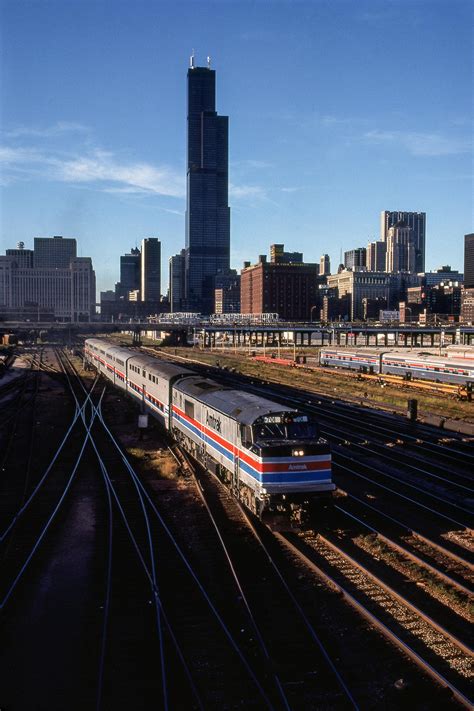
322	137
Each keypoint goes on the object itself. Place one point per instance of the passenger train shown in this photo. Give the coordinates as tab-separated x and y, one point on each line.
271	457
413	365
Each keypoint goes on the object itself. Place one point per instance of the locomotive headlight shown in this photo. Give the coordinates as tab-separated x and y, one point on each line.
298	453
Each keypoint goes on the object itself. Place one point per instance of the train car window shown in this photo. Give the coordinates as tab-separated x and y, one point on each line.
189	408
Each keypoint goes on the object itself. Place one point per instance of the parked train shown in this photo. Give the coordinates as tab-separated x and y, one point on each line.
271	457
410	365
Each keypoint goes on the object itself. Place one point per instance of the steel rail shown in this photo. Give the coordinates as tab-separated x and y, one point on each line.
25	506
51	518
238	584
412	531
403	482
297	605
190	569
405	551
400	598
403	496
151	575
437	676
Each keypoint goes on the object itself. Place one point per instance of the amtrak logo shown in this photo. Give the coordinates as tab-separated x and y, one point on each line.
214	422
297	467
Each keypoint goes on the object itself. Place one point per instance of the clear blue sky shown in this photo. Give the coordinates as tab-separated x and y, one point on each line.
338	110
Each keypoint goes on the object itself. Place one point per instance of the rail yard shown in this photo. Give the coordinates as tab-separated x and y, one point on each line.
162	576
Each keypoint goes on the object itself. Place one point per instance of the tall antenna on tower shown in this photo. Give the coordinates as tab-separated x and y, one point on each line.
191	60
208	62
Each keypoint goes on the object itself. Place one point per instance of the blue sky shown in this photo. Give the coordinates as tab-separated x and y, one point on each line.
338	109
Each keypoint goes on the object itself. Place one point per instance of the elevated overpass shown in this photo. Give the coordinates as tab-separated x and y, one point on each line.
278	333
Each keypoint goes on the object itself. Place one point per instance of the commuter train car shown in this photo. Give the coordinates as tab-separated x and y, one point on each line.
147	379
367	361
419	365
270	456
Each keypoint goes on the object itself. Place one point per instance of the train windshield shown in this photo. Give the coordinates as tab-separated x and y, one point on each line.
287	427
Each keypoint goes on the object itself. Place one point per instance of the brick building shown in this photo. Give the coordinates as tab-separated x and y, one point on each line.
289	289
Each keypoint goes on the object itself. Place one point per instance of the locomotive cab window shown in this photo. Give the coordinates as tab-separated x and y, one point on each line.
284	426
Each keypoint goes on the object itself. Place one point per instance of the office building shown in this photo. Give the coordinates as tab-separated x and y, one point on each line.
442	274
376	256
130	270
23	257
227	292
54	252
401	255
150	270
467	306
290	290
278	255
469	261
66	293
207	208
355	258
176	281
324	265
355	286
415	221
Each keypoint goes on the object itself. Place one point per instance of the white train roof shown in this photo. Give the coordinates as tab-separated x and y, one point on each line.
243	406
162	368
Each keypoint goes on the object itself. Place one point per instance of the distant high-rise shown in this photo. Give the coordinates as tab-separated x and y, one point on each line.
130	270
401	254
54	252
355	258
324	265
469	261
207	209
176	281
150	270
23	257
279	256
376	256
417	222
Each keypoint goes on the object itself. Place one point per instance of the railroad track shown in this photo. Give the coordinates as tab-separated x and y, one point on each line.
458	571
435	651
292	651
151	596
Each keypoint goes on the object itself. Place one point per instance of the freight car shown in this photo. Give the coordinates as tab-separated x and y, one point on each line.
414	365
269	456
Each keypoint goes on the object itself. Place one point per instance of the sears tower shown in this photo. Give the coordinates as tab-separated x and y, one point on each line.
207	209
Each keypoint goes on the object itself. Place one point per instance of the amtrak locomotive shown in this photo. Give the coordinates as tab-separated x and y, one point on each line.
414	365
270	457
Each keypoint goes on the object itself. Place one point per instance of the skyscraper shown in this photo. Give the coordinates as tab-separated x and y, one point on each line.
401	254
324	265
376	256
129	274
417	222
207	209
355	258
150	271
130	270
54	252
469	260
176	281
